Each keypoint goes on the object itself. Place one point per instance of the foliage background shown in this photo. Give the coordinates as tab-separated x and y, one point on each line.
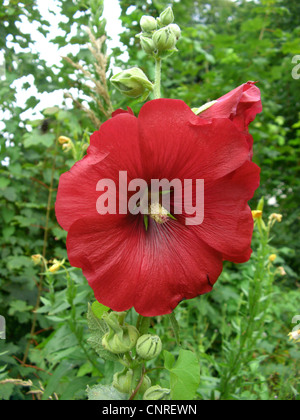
224	43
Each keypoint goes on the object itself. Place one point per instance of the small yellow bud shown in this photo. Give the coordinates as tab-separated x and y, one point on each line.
275	216
37	259
64	140
56	265
257	214
272	257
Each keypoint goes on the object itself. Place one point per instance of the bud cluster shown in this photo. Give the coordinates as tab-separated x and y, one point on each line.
159	36
132	350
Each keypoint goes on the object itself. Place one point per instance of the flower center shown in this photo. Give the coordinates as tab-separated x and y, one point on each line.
158	213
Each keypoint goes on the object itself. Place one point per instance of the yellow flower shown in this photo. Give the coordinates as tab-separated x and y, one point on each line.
63	140
272	257
275	216
56	264
37	258
295	335
257	214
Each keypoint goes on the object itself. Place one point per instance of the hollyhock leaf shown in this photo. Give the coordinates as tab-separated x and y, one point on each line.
99	309
97	329
184	375
105	393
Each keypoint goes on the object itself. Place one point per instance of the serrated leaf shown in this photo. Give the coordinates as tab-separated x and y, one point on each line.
98	328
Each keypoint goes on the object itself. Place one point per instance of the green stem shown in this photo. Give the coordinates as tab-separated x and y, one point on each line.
157	85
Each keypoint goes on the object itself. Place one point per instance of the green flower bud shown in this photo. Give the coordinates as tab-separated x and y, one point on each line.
167	16
145	385
132	82
157	393
147	44
175	29
164	39
148	23
121	337
148	346
122	381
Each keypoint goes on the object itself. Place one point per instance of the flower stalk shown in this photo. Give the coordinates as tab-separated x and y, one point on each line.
157	84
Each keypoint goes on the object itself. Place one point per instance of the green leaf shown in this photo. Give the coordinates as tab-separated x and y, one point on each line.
97	329
175	327
99	309
37	138
105	392
184	374
60	371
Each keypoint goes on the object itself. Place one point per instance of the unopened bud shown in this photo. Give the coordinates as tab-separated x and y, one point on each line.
148	346
56	265
175	29
147	44
157	393
167	16
64	140
132	82
145	384
164	39
148	23
122	381
37	259
276	217
121	337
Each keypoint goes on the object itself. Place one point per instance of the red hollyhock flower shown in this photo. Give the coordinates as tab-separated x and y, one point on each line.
154	269
241	106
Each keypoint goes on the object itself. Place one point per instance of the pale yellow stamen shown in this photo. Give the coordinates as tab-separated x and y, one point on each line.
158	213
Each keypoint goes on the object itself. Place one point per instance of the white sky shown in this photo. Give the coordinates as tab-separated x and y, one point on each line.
51	54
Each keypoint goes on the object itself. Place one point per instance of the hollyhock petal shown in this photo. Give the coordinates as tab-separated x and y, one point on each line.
77	195
228	222
122	111
152	271
241	105
239	259
183	146
113	148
